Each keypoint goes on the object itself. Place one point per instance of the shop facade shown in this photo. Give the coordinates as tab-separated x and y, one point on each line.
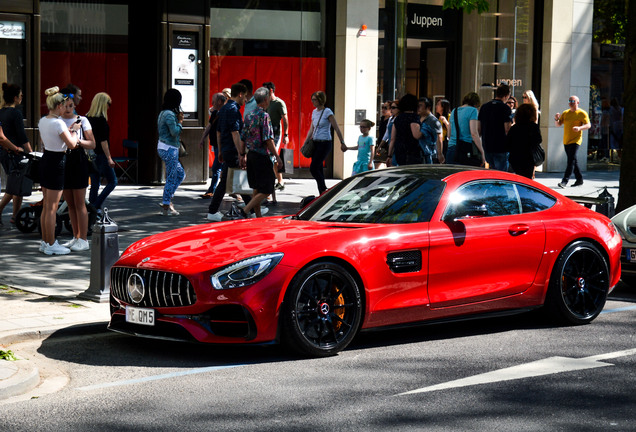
360	52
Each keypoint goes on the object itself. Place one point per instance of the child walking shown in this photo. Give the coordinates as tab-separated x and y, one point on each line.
365	147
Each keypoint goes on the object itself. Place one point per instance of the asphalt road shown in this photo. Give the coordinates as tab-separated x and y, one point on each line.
514	373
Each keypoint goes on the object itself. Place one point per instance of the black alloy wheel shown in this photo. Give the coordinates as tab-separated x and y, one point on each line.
322	310
27	219
579	284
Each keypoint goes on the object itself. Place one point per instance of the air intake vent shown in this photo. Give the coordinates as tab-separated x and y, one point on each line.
405	262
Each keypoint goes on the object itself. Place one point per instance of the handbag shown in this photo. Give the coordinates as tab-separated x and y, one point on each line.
467	151
538	155
17	182
92	163
237	182
287	155
308	148
183	152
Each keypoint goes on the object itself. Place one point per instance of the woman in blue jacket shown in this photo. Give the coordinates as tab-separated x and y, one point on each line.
169	124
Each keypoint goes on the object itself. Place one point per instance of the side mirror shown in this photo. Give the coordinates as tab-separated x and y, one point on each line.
466	210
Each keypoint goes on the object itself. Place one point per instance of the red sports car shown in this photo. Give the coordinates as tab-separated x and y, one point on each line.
383	248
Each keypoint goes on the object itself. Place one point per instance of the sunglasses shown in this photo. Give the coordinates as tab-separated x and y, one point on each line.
572	101
393	107
385	107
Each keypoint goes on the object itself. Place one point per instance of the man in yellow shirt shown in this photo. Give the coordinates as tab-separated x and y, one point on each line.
574	121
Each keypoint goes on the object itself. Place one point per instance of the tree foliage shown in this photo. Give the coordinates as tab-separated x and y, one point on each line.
467	5
610	21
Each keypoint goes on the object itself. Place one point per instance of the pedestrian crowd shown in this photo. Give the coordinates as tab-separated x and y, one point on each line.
246	147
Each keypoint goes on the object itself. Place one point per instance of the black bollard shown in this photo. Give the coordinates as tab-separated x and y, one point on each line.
607	208
104	253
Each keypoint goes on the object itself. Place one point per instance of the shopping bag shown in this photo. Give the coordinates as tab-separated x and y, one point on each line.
237	182
287	155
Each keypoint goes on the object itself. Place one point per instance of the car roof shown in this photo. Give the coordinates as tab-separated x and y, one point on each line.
432	172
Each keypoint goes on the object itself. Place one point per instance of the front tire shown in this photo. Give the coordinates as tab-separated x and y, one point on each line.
322	310
579	284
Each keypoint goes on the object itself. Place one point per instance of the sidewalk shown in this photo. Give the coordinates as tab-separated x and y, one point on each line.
38	293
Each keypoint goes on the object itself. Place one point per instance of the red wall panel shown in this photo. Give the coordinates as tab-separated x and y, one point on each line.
295	79
93	73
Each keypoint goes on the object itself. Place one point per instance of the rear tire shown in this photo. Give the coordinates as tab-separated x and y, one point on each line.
322	310
579	284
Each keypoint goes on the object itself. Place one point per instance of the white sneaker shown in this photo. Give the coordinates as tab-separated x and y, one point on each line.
42	245
264	211
215	217
69	243
55	249
80	245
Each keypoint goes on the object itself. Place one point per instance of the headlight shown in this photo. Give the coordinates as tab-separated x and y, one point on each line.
245	272
618	230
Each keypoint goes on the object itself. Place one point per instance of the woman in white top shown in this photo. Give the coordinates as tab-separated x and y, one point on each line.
322	120
76	176
56	139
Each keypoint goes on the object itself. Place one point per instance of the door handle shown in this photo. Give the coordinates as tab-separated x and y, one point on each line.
518	229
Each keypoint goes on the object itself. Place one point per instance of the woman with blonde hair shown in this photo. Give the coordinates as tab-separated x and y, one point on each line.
529	97
98	117
56	139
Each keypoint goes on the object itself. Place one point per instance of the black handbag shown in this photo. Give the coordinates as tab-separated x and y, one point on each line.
17	182
467	152
538	155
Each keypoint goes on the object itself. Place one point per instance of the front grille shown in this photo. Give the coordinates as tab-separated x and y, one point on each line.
162	289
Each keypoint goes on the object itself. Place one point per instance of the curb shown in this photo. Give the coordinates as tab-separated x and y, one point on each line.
25	377
74	330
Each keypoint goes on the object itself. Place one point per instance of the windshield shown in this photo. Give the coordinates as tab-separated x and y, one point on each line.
389	198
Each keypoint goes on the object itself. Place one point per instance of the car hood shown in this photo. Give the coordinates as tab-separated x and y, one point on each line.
625	221
203	247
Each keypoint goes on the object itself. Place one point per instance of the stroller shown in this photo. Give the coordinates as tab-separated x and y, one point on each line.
28	217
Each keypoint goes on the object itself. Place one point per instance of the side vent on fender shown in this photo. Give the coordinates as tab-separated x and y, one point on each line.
405	262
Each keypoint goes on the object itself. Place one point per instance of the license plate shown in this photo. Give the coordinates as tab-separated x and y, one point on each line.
631	255
140	316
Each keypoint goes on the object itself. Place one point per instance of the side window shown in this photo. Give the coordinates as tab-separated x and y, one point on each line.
498	199
533	200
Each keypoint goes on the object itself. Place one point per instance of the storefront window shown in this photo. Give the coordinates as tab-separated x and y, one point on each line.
278	41
505	48
13	53
86	44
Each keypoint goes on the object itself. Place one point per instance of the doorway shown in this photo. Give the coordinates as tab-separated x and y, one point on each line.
436	73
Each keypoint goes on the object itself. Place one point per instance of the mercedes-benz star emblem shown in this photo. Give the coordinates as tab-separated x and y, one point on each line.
136	288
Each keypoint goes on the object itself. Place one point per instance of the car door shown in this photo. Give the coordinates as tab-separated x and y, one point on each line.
485	247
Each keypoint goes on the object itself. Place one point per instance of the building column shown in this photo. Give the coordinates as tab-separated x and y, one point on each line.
567	63
356	72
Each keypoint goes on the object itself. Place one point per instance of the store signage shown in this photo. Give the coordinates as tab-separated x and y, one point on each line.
511	82
12	30
430	22
185	71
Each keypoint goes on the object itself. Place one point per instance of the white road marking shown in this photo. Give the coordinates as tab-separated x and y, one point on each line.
155	377
549	366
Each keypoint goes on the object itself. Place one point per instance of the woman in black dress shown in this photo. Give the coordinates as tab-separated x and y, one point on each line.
522	138
13	126
405	134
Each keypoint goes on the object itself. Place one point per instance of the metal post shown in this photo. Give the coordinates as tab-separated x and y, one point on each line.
104	253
